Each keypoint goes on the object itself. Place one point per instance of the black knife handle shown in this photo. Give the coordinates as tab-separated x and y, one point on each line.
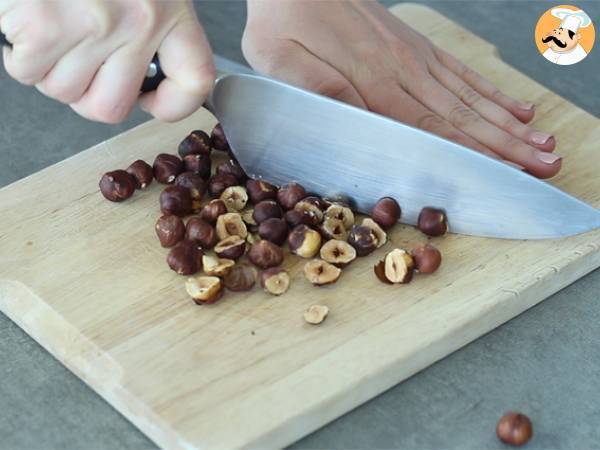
3	40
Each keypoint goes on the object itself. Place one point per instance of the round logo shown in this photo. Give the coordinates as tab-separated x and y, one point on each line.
565	35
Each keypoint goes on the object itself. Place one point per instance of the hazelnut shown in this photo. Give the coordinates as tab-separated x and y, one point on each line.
232	247
318	202
166	168
241	277
396	268
514	428
117	185
252	238
248	217
427	258
432	221
170	230
219	182
200	164
196	143
304	241
338	253
266	209
218	267
333	228
235	198
320	272
259	190
142	172
379	233
386	212
185	258
195	183
212	210
265	254
274	230
312	209
341	212
204	289
201	232
231	224
218	139
290	194
296	217
176	200
363	239
275	280
232	167
316	314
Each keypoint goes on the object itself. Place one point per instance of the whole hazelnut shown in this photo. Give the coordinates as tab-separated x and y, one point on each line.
427	258
266	209
200	164
514	428
117	185
259	190
316	314
142	172
201	232
241	277
318	202
338	253
176	200
235	198
170	230
185	258
265	254
432	221
386	212
218	267
219	182
377	230
312	209
232	247
196	143
396	268
342	213
275	280
304	241
296	217
195	183
362	239
212	210
333	228
232	167
320	272
166	168
204	289
274	230
231	224
290	194
218	139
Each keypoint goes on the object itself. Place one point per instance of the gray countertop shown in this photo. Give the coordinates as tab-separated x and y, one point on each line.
545	362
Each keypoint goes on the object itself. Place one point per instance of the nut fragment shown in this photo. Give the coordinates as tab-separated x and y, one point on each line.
241	277
432	221
117	185
196	143
185	258
231	224
396	268
176	200
204	289
320	272
275	280
235	198
195	183
218	139
338	253
333	228
166	168
212	210
219	182
201	232
290	194
274	230
363	239
316	314
377	230
266	209
514	428
386	212
170	230
232	247
265	254
259	190
427	258
218	267
232	167
142	172
304	241
200	164
248	217
341	212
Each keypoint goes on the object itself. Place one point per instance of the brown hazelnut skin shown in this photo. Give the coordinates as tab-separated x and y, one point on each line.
117	185
232	247
274	230
260	190
176	200
185	258
195	183
290	194
142	172
265	254
386	212
212	210
427	258
362	239
304	241
317	201
219	182
242	277
514	428
195	143
201	232
295	217
232	167
200	164
166	168
432	221
170	230
218	139
267	209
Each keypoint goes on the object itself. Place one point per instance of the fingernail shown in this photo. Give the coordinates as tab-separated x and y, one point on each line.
526	106
539	138
547	158
512	164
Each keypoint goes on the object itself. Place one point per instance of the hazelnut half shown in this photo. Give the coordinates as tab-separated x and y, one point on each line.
320	272
219	182
379	233
218	267
259	190
274	230
218	139
338	253
316	314
363	239
232	167
290	194
241	277
432	221
235	198
201	232
396	268
232	247
204	289
142	172
304	241
212	210
386	212
266	209
275	280
117	185
514	428
170	230
333	228
427	258
342	213
166	168
195	183
176	200
200	164
231	224
195	143
185	258
265	254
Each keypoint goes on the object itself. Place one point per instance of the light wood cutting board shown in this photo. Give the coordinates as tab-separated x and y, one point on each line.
87	279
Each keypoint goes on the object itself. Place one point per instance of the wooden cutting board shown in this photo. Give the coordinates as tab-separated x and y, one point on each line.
87	279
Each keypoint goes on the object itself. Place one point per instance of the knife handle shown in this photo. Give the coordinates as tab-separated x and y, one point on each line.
3	40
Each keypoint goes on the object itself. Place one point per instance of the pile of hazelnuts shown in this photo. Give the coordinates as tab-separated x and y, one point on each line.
246	222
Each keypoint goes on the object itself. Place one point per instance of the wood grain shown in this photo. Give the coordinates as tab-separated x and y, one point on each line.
87	279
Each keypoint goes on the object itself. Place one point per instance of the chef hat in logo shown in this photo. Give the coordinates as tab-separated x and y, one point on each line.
572	20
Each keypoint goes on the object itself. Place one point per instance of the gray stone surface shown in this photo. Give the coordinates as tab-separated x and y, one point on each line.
545	362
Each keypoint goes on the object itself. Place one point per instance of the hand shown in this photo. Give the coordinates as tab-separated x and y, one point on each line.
93	55
358	52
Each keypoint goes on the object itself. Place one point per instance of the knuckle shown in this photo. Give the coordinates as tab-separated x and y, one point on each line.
509	122
461	116
60	91
108	112
144	16
431	122
332	87
511	142
468	95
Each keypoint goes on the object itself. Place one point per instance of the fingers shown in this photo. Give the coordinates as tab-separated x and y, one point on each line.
186	60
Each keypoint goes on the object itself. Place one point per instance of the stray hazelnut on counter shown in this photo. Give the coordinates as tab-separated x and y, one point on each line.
316	314
195	183
432	221
312	209
514	428
218	267
377	230
275	280
219	182
266	209
386	212
204	289
142	172
320	272
170	230
200	164
232	247
201	232
427	258
342	213
274	230
396	268
338	253
235	198
213	210
231	224
241	277
196	143
218	139
117	185
232	167
265	254
333	228
304	241
176	200
290	194
185	258
363	239
166	168
259	190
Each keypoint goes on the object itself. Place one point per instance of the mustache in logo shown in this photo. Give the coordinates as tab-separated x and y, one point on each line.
556	41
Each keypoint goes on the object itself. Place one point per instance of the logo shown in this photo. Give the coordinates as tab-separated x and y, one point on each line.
565	35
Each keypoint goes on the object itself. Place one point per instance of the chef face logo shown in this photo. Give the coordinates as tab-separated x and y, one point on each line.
564	35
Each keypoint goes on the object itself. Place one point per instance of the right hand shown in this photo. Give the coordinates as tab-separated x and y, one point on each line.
93	55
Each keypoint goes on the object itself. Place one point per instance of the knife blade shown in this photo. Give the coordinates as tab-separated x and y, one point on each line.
281	133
